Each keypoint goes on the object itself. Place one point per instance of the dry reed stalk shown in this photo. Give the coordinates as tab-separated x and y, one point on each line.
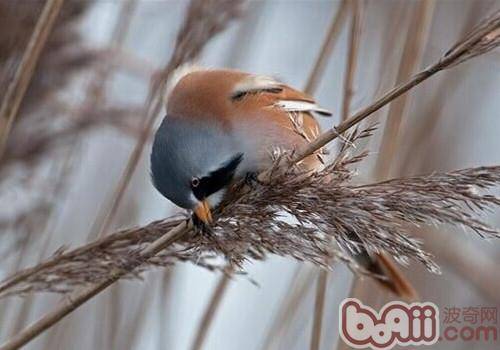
43	127
210	312
183	43
329	42
223	11
433	110
460	255
61	173
388	203
19	84
45	226
94	96
351	62
352	56
165	292
118	36
59	55
319	304
204	20
299	286
417	37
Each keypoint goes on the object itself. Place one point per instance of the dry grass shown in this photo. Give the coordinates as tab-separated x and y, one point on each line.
381	214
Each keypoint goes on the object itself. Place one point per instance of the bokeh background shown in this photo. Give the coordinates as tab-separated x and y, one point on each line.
83	115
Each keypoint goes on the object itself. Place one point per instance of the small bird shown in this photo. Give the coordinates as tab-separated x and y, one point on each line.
222	125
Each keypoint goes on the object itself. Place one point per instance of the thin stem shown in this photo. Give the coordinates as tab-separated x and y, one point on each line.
319	305
299	286
352	56
415	43
326	48
211	311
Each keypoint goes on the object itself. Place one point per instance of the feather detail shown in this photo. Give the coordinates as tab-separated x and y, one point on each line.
254	84
391	277
301	106
396	280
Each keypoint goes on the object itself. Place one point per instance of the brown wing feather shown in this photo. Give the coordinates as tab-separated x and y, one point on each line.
300	123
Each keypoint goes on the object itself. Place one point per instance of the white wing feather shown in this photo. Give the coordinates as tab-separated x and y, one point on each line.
301	106
255	83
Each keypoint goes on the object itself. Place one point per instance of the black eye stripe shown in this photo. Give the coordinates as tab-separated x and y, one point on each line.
217	179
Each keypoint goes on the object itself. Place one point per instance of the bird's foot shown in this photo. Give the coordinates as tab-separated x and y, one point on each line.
252	179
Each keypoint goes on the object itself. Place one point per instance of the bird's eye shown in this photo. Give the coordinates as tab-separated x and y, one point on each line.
195	182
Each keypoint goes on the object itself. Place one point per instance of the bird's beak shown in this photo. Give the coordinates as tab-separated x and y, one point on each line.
202	211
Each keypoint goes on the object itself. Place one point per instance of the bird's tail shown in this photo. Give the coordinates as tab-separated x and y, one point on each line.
391	277
394	280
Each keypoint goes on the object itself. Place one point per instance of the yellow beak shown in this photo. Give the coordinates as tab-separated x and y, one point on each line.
202	211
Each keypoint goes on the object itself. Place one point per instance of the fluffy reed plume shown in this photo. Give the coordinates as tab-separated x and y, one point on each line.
257	223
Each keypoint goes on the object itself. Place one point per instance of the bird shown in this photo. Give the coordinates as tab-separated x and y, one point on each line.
222	125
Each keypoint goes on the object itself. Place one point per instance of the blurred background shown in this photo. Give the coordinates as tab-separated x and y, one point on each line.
83	117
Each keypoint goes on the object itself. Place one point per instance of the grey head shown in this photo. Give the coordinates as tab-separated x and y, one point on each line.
192	163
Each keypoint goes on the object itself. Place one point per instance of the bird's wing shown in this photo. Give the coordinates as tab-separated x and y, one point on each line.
290	109
270	92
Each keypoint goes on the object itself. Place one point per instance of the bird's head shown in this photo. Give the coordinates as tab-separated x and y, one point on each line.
193	163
